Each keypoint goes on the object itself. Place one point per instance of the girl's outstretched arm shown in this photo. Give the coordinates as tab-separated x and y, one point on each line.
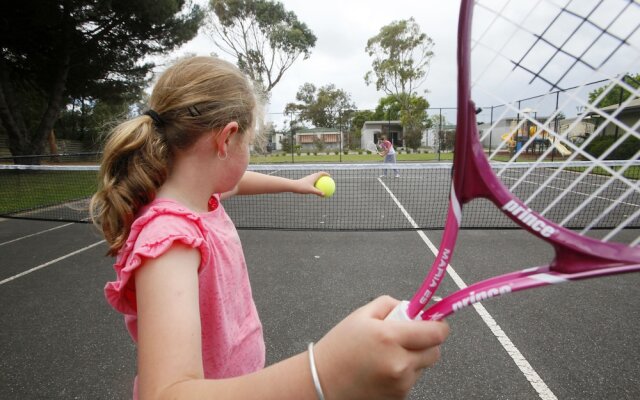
257	183
363	357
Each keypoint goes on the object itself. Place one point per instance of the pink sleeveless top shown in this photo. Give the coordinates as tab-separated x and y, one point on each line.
232	341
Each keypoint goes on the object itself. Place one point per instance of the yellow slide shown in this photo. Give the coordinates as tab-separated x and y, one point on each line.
508	137
560	147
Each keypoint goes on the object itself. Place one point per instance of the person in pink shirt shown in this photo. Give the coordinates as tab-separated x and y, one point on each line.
181	277
389	154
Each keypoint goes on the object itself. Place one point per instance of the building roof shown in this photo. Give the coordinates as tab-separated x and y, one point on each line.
631	106
383	122
317	130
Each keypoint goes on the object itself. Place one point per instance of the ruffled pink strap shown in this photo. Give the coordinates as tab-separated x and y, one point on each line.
153	234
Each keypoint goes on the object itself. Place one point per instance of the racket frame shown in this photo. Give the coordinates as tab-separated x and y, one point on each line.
576	257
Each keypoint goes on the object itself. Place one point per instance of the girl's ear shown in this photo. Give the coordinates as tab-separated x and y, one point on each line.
224	136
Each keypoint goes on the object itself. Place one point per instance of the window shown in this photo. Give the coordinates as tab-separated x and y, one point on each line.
331	138
306	138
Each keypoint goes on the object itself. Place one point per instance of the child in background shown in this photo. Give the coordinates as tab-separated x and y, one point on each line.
389	154
182	282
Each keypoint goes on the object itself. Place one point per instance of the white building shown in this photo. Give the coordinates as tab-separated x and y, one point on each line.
372	130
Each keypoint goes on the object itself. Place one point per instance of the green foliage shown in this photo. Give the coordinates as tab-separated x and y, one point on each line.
89	120
388	108
625	151
83	49
617	94
262	35
321	107
401	57
446	140
319	144
411	110
286	144
358	119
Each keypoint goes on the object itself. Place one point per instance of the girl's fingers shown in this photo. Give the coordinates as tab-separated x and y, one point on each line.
380	307
418	335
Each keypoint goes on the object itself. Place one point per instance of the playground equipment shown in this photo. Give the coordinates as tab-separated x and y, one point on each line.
560	147
525	131
508	137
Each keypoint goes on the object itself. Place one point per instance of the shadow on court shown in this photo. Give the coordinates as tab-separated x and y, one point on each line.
60	340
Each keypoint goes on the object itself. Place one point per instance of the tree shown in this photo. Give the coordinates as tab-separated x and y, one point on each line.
321	107
414	120
412	113
261	35
357	121
86	119
617	94
401	58
388	109
445	136
54	51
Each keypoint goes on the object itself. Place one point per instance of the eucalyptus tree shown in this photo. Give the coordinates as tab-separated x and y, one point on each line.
326	106
261	35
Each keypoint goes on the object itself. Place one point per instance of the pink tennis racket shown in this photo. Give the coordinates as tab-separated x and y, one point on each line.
551	78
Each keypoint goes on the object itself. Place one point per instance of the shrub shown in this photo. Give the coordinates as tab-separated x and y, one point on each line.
624	151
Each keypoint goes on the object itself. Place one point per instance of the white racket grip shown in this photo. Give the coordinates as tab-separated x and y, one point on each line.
399	313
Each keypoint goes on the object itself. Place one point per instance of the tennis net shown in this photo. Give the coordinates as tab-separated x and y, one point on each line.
417	199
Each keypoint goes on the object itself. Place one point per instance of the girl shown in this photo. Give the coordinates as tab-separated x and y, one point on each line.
389	154
182	282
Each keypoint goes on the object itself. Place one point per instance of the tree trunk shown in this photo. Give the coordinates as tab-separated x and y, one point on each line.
53	146
22	140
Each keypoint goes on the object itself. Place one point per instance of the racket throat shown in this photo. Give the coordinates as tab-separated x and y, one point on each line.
568	262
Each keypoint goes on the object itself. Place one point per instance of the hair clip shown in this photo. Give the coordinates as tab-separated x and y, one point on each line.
193	111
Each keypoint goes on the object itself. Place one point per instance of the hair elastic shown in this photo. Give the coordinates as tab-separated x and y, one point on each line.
155	117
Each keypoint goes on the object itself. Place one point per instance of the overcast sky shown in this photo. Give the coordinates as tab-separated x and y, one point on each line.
342	28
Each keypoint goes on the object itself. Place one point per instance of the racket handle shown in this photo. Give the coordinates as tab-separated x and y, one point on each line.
399	313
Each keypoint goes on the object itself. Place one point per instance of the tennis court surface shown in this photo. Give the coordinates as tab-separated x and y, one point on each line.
60	340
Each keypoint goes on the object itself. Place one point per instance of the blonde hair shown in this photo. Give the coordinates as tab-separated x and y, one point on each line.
194	96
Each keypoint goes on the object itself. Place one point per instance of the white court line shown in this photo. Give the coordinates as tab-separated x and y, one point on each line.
35	234
532	376
2	282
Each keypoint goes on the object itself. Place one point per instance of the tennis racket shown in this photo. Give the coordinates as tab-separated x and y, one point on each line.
554	74
372	147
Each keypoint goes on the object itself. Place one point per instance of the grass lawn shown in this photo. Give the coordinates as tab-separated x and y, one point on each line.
25	190
632	172
348	158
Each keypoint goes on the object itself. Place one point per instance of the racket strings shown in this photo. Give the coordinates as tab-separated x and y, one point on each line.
598	26
540	39
617	175
585	20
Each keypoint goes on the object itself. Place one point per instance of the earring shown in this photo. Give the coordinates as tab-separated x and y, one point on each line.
223	158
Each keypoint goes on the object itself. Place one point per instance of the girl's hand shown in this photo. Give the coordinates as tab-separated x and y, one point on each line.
365	357
306	185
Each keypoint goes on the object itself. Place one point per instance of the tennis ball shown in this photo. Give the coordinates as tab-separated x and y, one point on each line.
327	185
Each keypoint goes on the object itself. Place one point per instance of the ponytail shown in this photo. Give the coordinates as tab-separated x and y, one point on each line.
134	166
192	97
